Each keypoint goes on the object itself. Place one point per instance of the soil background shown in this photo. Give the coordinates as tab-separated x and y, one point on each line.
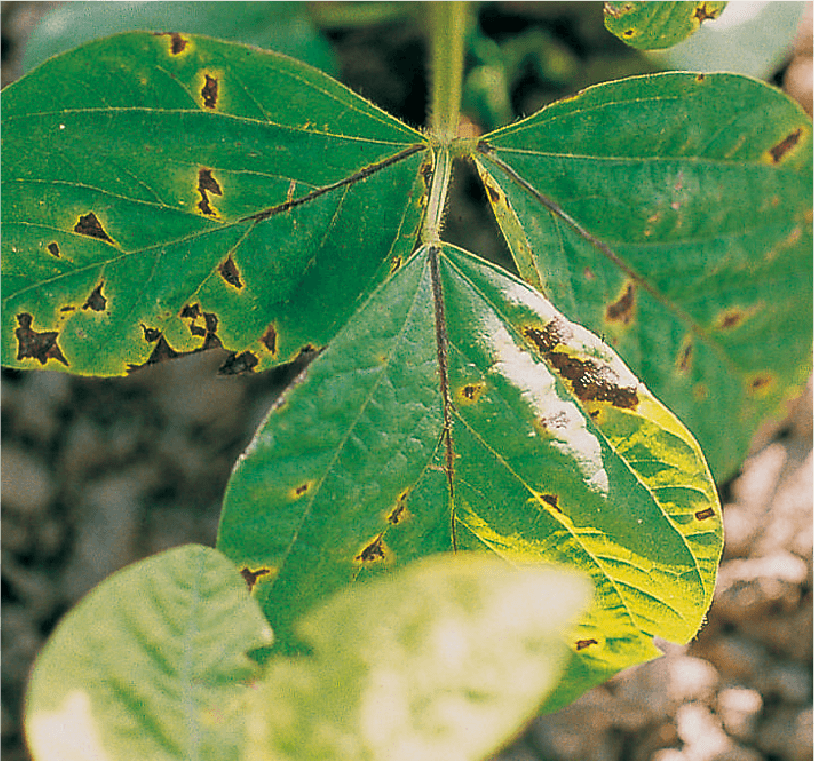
98	473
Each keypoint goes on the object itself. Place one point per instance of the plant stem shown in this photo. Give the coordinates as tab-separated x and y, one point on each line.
448	22
442	172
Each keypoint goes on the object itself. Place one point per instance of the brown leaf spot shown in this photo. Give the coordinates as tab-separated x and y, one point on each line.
300	490
399	513
551	499
622	309
588	274
426	175
251	577
395	264
703	13
177	42
707	512
207	184
785	145
730	318
760	384
53	249
700	77
590	380
229	272
161	352
151	334
583	643
190	311
494	195
238	364
470	392
89	225
547	338
33	345
684	360
96	301
209	92
593	382
374	551
269	338
209	328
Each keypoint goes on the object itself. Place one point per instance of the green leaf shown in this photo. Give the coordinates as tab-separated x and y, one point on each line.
280	26
168	193
757	40
653	26
672	214
458	410
150	664
441	662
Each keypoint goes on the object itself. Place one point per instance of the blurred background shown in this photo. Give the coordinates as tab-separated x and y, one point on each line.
97	473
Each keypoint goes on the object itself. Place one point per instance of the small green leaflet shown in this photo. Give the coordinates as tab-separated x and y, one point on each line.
458	410
658	25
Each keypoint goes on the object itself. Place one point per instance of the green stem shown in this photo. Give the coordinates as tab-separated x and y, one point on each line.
442	173
448	21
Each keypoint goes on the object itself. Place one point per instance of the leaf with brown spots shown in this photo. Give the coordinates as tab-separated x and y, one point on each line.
655	26
690	251
524	436
212	194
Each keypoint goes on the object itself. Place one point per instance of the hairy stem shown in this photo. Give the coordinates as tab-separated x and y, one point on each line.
448	22
442	172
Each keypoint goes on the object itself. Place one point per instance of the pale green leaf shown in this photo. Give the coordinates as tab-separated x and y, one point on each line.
440	662
151	664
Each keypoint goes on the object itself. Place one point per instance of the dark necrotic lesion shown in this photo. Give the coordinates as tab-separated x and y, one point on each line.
590	379
209	92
